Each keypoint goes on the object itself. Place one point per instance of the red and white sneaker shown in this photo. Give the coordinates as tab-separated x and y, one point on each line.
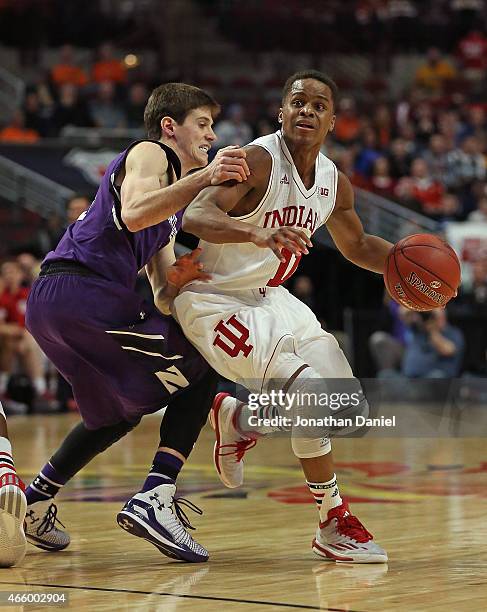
13	506
230	446
342	537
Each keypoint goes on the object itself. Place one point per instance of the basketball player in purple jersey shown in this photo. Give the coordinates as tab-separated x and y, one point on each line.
123	358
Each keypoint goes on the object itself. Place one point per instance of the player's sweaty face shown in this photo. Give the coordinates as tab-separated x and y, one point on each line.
195	136
308	112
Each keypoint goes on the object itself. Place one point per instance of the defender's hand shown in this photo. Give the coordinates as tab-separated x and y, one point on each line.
229	165
276	239
187	268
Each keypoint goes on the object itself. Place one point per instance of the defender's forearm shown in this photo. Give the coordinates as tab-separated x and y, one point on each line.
156	206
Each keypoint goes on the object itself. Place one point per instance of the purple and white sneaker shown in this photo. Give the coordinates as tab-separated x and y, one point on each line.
157	516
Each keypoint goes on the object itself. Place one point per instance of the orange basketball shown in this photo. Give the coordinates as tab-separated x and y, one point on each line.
422	272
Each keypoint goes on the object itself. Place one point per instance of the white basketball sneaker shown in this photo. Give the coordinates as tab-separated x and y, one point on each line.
41	527
13	506
158	517
343	538
230	446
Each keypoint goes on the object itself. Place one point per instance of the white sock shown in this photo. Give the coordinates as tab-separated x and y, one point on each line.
327	496
6	460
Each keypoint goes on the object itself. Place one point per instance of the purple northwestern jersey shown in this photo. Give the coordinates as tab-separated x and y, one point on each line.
100	239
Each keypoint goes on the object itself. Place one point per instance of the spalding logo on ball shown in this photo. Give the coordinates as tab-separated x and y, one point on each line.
422	272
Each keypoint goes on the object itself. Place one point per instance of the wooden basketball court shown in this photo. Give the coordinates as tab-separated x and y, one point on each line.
424	500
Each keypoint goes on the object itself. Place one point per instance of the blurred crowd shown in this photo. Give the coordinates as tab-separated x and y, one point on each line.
28	381
98	95
425	148
377	27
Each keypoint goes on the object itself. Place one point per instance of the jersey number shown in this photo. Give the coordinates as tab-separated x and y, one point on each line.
232	337
286	269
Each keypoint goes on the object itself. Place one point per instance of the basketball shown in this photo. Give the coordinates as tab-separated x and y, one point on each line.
422	272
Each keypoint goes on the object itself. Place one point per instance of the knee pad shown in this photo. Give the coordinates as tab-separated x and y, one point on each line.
307	448
326	407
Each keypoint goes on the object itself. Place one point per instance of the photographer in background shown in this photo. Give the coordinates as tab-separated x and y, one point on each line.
423	345
434	349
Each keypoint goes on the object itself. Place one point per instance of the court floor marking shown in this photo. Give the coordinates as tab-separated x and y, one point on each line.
181	595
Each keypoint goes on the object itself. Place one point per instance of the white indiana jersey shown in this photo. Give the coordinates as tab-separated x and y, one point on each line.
286	202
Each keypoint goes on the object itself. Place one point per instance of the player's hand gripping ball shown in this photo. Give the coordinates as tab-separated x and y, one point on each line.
422	272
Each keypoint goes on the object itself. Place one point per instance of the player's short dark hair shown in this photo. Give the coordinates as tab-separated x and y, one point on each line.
174	100
311	74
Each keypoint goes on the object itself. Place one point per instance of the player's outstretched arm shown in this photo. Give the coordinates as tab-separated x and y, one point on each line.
345	227
207	216
147	197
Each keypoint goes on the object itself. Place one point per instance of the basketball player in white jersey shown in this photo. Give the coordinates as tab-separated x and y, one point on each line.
13	504
247	326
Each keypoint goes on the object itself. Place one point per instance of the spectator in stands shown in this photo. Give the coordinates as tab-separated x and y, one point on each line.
465	164
432	75
368	153
407	132
472	55
66	70
16	131
37	117
435	157
476	124
134	108
75	206
348	124
423	345
106	112
70	109
30	266
424	123
345	161
383	125
381	181
263	127
107	68
420	187
18	343
434	348
387	348
400	158
10	335
473	298
234	130
450	127
450	208
480	214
